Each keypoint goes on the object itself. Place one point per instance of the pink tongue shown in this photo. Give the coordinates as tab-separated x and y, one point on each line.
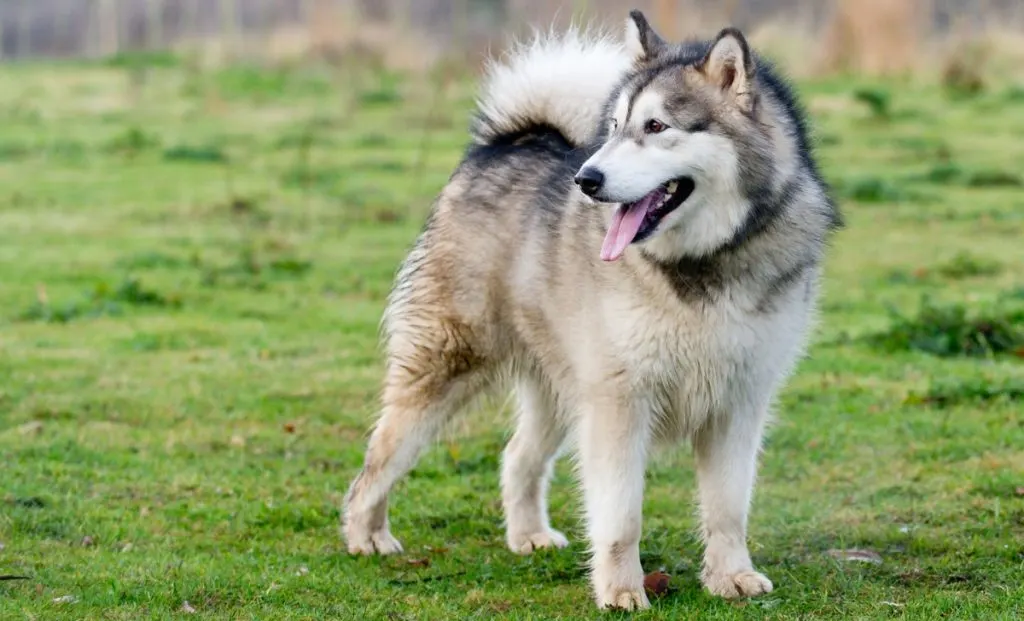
625	224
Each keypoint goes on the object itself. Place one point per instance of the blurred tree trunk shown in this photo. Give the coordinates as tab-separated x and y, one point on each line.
375	10
665	20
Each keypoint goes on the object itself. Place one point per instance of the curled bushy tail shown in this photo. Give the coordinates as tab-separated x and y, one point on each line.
555	80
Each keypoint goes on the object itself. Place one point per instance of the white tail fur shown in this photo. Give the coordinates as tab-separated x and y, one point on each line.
561	80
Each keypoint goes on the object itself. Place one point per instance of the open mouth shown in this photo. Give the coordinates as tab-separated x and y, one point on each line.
634	222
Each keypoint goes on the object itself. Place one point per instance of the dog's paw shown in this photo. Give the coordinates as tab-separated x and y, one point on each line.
623	599
528	544
379	542
741	584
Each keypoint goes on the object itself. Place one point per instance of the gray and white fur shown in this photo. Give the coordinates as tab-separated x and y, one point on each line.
633	241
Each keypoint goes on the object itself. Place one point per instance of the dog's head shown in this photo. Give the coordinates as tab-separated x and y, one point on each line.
684	142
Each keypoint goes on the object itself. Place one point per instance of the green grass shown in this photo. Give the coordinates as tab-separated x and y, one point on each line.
192	270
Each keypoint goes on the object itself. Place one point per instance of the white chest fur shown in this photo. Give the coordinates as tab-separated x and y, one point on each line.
692	361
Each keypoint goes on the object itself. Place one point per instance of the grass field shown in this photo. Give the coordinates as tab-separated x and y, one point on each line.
192	268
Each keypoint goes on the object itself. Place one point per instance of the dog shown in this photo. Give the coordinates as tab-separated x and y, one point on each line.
633	241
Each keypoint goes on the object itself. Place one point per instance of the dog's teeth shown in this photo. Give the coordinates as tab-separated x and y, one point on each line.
672	187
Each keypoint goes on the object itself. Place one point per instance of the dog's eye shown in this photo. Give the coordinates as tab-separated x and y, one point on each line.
698	126
654	126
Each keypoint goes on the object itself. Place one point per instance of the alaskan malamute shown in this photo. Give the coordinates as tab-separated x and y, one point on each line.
633	241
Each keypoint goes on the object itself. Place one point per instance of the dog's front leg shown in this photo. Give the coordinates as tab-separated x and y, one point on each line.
613	444
726	452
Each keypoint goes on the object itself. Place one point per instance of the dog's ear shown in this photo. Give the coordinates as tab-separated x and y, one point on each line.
641	40
729	65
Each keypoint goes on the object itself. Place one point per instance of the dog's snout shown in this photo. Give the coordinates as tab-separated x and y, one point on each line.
590	180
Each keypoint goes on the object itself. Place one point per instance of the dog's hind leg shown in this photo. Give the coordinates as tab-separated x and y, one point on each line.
432	372
726	452
526	470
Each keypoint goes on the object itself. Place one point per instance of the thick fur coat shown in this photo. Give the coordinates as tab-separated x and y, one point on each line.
666	294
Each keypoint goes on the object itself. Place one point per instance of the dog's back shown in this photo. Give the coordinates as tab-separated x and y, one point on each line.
505	206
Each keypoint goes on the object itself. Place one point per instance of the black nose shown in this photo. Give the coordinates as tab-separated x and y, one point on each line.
590	180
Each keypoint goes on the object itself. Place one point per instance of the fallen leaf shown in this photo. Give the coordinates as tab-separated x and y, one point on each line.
860	556
388	215
144	511
33	428
302	571
187	608
289	427
656	583
127	547
474	598
419	562
87	541
1019	490
237	441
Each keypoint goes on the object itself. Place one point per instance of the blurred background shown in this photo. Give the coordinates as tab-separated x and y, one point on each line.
813	36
